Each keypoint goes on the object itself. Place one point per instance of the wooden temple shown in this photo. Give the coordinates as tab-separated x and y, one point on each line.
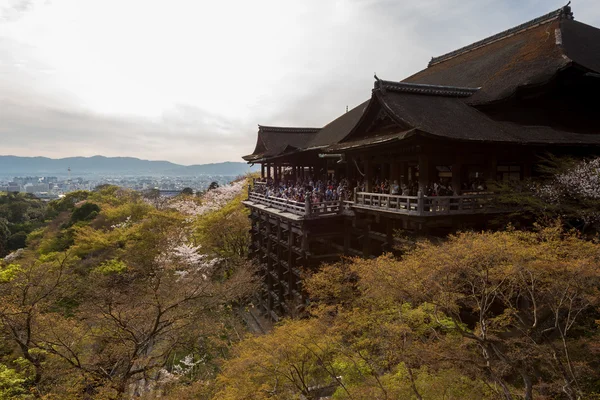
484	112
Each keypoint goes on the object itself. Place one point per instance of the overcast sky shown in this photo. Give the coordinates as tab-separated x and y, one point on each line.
189	80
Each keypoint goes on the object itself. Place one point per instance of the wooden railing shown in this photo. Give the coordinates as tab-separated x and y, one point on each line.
409	205
425	205
291	206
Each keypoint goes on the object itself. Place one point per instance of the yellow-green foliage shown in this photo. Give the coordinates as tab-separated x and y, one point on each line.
225	231
111	267
479	316
12	384
94	306
8	272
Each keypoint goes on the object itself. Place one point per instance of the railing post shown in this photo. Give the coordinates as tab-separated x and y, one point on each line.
420	203
307	205
354	196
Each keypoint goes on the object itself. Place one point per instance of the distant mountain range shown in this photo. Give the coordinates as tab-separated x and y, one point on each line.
100	165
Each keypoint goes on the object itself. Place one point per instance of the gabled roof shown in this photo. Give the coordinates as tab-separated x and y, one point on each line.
439	112
529	54
273	141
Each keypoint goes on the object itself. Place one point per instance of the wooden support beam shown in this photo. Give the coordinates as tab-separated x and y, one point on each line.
394	171
347	237
424	178
291	260
368	174
268	277
367	241
457	177
404	172
389	235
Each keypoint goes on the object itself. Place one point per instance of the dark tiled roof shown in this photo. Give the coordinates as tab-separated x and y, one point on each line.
529	54
444	116
451	118
581	44
371	141
561	12
439	100
273	141
419	88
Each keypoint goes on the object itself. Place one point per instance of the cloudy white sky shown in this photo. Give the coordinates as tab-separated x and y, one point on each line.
189	80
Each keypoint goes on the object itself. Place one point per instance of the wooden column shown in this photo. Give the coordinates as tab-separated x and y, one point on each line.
268	170
389	234
394	172
404	172
368	174
492	167
347	230
279	264
527	169
290	260
457	178
269	278
367	240
276	176
424	178
262	170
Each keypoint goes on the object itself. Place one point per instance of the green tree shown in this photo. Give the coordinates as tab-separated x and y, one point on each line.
86	212
4	236
17	241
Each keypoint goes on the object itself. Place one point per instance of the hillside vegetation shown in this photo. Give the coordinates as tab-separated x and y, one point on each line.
120	296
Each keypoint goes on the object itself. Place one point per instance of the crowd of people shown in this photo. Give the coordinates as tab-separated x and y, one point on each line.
320	190
316	189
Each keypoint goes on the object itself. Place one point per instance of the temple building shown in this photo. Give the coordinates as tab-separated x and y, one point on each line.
416	156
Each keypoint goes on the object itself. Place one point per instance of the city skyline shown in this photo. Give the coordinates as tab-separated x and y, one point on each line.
189	82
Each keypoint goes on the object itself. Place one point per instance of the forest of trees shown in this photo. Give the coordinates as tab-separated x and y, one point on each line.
117	295
20	214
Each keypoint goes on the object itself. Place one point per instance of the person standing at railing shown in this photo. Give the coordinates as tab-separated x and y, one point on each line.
395	188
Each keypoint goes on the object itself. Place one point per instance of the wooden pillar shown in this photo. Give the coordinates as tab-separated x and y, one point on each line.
492	167
279	263
262	170
389	234
347	230
457	177
527	168
268	170
368	174
404	172
348	170
290	260
394	171
276	176
305	246
424	172
269	278
367	240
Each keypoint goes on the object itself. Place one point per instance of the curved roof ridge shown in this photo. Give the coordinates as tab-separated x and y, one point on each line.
422	88
563	12
287	129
